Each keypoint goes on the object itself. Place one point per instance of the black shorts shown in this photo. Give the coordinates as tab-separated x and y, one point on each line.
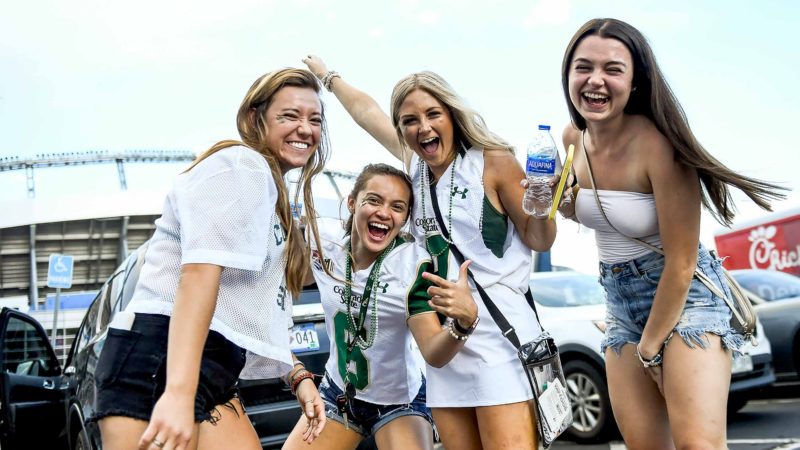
131	372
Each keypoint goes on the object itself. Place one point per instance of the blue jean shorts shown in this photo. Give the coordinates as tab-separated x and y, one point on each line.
131	371
631	287
367	418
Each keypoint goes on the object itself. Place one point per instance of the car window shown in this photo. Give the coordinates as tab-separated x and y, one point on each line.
559	292
90	321
769	285
25	350
104	303
133	266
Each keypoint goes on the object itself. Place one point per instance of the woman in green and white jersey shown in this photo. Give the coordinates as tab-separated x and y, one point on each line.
376	293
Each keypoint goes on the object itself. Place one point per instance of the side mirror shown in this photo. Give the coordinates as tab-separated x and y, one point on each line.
70	370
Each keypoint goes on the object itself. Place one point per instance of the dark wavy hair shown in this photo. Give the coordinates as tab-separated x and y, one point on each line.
654	99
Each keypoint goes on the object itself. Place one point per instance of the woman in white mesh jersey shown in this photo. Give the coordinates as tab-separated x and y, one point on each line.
213	301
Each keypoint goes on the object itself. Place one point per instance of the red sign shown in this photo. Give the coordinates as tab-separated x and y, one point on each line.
772	245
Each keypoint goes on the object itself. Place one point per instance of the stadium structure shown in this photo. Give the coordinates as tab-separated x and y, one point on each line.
97	230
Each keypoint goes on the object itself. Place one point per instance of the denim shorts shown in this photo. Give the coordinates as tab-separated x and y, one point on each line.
631	287
131	371
367	418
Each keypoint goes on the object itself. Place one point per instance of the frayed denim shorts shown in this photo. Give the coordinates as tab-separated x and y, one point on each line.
367	418
631	287
131	371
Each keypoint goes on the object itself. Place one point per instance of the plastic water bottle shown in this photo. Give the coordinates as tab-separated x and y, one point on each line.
540	168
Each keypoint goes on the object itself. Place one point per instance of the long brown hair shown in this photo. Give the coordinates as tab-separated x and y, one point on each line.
251	123
654	99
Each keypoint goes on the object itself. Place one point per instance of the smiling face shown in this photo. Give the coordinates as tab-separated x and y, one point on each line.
379	211
600	78
293	126
427	127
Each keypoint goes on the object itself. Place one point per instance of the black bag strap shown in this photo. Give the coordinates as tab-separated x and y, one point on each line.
505	327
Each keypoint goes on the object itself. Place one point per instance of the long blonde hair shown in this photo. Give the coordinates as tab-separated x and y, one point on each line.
251	123
470	128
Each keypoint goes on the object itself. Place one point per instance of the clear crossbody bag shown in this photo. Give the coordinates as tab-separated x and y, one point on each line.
542	365
539	358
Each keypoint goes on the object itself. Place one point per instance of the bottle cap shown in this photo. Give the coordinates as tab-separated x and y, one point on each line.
544	127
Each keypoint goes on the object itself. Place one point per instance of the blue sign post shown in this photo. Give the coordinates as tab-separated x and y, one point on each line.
59	275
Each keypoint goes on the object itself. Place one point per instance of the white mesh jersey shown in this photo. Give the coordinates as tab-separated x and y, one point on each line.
222	212
388	372
486	371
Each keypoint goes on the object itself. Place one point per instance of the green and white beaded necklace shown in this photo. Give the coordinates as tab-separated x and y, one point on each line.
369	296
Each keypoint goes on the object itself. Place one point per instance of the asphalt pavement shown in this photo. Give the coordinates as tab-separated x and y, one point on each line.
771	421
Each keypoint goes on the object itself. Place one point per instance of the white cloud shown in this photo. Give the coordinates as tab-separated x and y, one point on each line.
376	32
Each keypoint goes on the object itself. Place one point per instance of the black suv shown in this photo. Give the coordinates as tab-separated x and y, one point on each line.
45	407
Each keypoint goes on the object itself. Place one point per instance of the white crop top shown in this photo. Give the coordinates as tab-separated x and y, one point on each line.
632	213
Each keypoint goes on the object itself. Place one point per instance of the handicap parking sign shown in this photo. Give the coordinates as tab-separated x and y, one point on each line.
59	271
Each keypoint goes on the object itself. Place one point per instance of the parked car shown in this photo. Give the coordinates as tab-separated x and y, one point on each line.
571	306
776	299
45	407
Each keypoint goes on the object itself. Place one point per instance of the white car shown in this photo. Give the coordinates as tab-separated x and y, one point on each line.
571	306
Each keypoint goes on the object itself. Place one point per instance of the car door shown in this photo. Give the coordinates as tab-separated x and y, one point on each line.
32	401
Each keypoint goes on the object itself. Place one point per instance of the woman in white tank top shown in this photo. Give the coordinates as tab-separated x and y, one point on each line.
650	172
481	399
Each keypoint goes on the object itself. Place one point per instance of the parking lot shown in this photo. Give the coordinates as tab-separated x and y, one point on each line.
767	423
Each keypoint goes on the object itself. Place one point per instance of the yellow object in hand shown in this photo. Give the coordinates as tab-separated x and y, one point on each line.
562	182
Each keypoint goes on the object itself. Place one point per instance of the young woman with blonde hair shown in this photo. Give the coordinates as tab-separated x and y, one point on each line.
213	302
480	399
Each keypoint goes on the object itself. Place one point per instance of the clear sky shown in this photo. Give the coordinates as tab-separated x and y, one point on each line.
100	75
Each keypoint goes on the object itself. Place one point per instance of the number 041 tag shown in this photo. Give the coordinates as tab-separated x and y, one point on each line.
554	403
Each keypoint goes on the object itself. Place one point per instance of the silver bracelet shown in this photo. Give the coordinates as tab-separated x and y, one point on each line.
327	79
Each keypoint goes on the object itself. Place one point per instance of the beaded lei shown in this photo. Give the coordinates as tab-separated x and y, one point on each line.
423	183
374	274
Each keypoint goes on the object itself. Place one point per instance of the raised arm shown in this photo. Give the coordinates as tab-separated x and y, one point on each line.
362	108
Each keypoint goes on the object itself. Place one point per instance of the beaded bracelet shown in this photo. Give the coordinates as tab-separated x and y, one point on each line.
297	379
458	332
658	358
327	79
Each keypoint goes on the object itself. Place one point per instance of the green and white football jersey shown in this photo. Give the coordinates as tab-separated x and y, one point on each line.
389	371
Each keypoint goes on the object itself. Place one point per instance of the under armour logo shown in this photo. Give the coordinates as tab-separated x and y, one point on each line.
456	191
382	287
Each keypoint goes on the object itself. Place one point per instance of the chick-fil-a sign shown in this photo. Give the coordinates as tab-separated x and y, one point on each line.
772	245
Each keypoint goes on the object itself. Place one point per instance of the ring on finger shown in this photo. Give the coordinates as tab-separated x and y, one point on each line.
158	443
